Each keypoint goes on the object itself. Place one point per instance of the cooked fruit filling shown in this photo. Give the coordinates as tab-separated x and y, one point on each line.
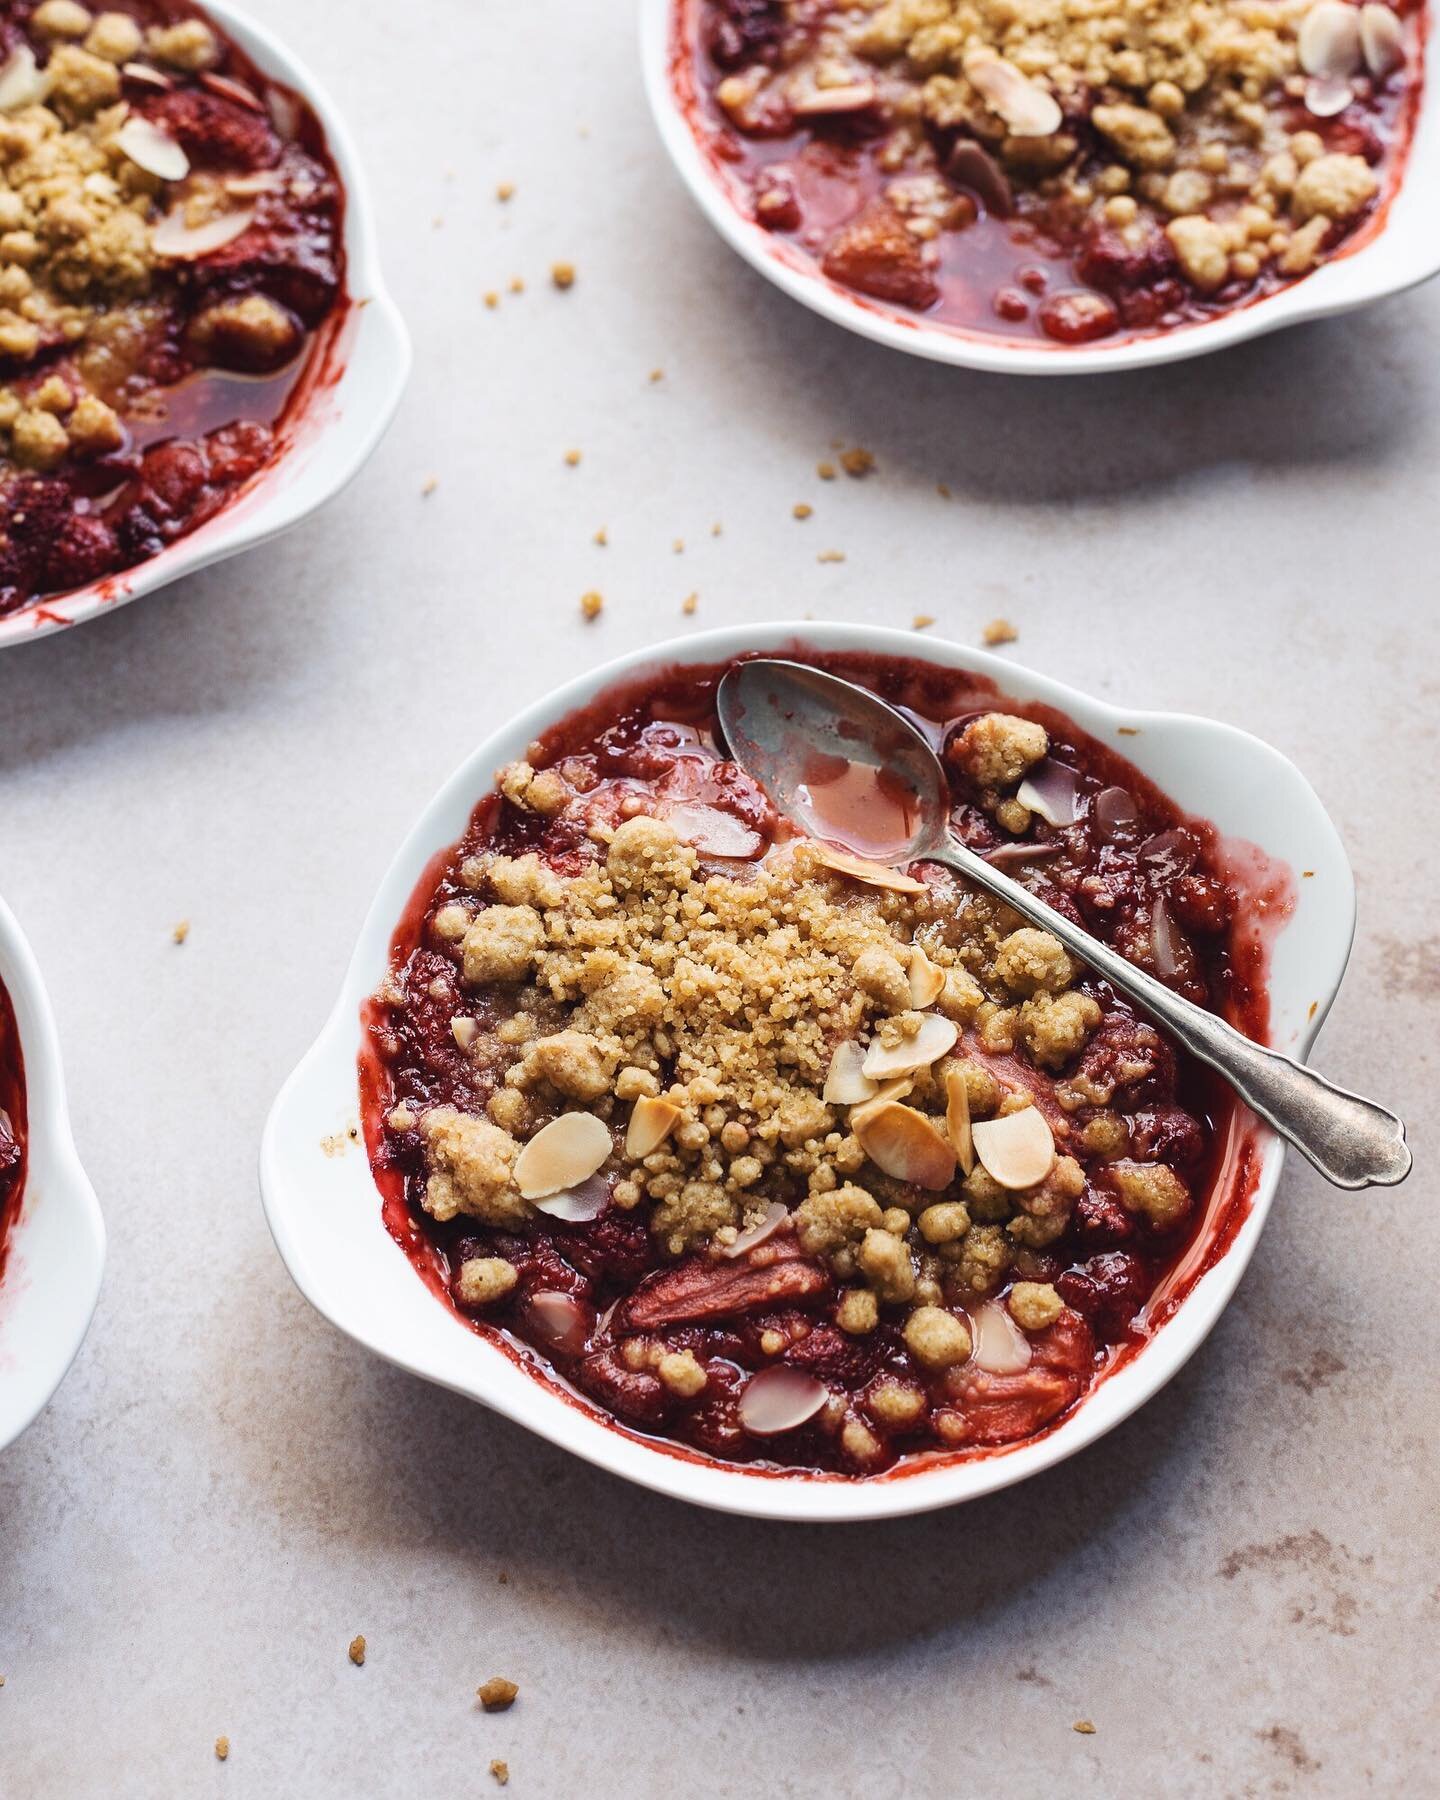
169	244
1061	170
779	1152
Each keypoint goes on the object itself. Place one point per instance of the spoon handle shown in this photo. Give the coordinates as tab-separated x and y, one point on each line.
1353	1142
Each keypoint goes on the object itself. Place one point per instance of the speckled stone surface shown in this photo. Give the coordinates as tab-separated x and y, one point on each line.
1239	1586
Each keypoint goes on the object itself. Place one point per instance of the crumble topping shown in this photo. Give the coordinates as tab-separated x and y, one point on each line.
737	1035
496	1694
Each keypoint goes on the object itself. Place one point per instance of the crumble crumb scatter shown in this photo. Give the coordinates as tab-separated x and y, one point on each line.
678	546
657	375
501	1771
1084	1727
181	932
942	488
357	1650
922	621
825	470
572	459
517	284
716	529
492	299
222	1748
428	486
1000	631
801	510
592	604
563	274
496	1694
689	603
504	191
831	556
857	462
602	537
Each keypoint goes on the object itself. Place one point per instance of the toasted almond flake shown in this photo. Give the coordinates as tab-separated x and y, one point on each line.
173	239
562	1154
775	1217
779	1399
1327	95
464	1031
935	1038
260	181
577	1205
1050	789
651	1122
1027	108
903	1143
884	1094
231	90
21	82
860	868
146	76
957	1119
1382	40
559	1320
1328	41
847	1084
998	1345
855	96
1018	1150
712	832
927	982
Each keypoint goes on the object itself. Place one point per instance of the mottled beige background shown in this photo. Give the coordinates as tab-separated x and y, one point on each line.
1239	1587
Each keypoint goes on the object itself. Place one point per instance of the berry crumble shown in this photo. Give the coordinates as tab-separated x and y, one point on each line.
781	1154
1062	170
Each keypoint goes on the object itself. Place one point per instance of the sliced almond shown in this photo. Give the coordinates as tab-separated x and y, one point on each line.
779	1399
775	1216
1052	790
173	239
651	1122
559	1321
1027	108
257	181
860	868
927	982
149	149
562	1154
577	1205
146	76
855	96
886	1092
847	1084
998	1345
1018	1150
957	1119
1327	95
1328	41
21	82
464	1031
712	832
905	1144
935	1038
231	90
1382	40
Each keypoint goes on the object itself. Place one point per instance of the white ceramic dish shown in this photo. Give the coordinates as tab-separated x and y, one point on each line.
324	1210
55	1249
341	422
1403	251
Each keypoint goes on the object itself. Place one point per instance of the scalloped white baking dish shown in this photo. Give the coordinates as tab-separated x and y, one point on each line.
324	1209
338	425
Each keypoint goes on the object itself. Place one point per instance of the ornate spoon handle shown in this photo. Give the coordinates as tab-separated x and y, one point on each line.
1353	1142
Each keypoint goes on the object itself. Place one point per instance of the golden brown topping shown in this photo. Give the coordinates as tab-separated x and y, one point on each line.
936	1338
484	1279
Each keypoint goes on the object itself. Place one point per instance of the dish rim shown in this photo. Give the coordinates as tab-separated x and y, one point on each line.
1399	253
372	327
299	1185
55	1255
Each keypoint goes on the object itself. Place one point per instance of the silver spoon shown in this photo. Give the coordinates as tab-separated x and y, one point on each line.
781	718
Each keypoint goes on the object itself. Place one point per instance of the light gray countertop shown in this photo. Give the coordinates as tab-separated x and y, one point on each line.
1238	1586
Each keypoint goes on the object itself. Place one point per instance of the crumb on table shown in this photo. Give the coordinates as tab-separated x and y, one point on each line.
1000	631
689	603
922	621
563	274
592	604
505	190
857	462
496	1694
357	1650
572	459
181	931
802	510
222	1748
1084	1727
501	1771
